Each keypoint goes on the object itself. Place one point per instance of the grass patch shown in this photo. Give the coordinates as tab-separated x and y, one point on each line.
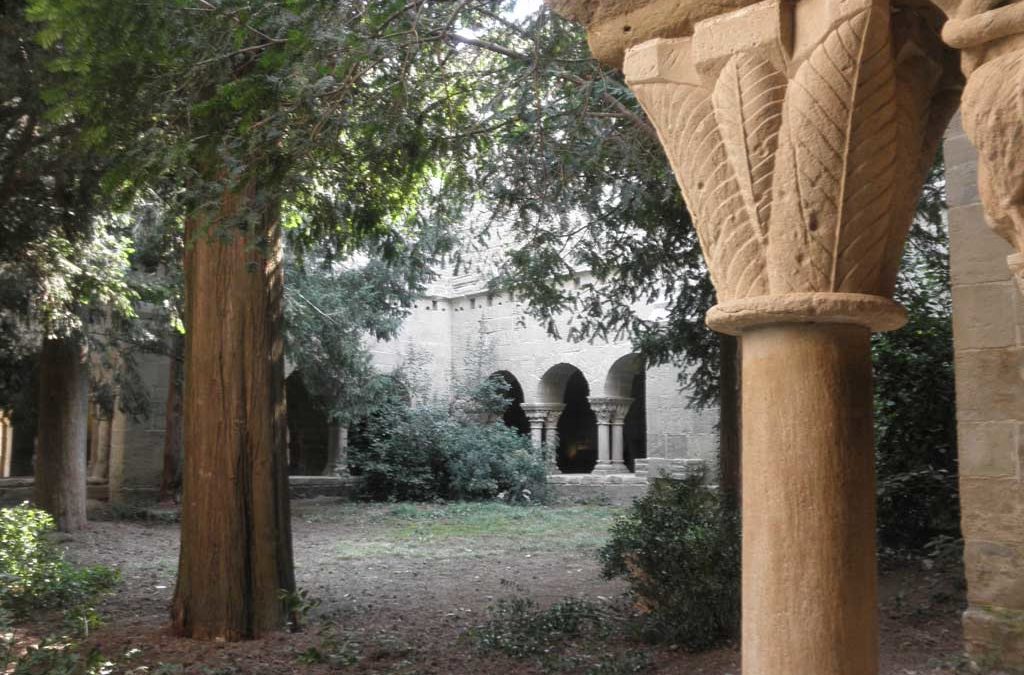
469	529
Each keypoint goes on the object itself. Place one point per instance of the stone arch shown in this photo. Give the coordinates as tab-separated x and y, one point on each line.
565	384
514	417
551	388
627	379
307	429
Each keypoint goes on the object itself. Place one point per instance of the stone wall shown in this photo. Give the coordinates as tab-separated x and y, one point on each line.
462	329
136	445
988	329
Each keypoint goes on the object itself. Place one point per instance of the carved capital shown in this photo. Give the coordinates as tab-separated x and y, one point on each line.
610	409
537	412
800	134
553	414
992	41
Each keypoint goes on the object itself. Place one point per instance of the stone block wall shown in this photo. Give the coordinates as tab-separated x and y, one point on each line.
988	330
136	445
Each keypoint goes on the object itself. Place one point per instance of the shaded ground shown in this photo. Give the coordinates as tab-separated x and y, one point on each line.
400	585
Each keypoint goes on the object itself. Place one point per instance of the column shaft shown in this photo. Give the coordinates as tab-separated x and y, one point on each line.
618	450
551	438
101	460
603	447
809	572
537	432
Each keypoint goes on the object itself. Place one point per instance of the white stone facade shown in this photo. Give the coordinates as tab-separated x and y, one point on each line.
460	327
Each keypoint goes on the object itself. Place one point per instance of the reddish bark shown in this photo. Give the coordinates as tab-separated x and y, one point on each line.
236	550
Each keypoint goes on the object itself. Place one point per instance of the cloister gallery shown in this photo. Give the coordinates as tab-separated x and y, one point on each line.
800	133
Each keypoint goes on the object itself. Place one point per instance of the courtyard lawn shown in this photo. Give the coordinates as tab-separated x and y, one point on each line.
452	588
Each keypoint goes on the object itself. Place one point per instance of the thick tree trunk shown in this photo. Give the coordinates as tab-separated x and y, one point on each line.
337	451
63	423
729	418
236	548
170	479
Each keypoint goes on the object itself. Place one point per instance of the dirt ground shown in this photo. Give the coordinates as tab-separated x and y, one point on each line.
399	586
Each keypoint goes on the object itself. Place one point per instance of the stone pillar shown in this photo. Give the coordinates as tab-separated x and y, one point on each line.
551	434
337	451
607	409
619	412
536	413
800	134
6	445
988	317
988	337
101	460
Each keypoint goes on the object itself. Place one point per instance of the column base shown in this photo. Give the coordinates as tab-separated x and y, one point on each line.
606	467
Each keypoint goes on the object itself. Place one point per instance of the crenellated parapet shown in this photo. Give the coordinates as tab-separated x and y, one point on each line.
800	135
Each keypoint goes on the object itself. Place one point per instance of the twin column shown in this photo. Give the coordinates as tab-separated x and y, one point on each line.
611	417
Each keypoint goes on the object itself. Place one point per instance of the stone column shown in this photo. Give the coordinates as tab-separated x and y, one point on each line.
604	410
101	460
551	434
619	412
800	134
537	413
988	333
6	446
337	451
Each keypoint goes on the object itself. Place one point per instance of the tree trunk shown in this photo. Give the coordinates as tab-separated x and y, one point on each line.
729	418
236	546
337	451
63	424
170	479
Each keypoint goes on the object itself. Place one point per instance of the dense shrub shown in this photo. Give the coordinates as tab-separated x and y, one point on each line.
915	397
679	548
427	453
34	574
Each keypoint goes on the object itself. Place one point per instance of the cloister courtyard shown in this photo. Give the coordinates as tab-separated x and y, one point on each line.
414	588
583	336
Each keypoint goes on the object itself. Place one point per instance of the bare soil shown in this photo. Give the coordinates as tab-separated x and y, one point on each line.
400	585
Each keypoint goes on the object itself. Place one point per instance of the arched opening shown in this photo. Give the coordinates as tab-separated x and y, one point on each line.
627	379
307	430
514	416
577	425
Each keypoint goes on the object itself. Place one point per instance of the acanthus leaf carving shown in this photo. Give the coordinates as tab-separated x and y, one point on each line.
836	162
729	236
801	158
928	85
748	98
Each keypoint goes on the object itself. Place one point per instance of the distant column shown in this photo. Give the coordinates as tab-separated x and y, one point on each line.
6	446
101	459
619	411
536	413
551	434
603	409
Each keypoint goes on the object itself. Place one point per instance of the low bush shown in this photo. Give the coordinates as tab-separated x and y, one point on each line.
34	574
519	628
679	549
453	452
425	454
